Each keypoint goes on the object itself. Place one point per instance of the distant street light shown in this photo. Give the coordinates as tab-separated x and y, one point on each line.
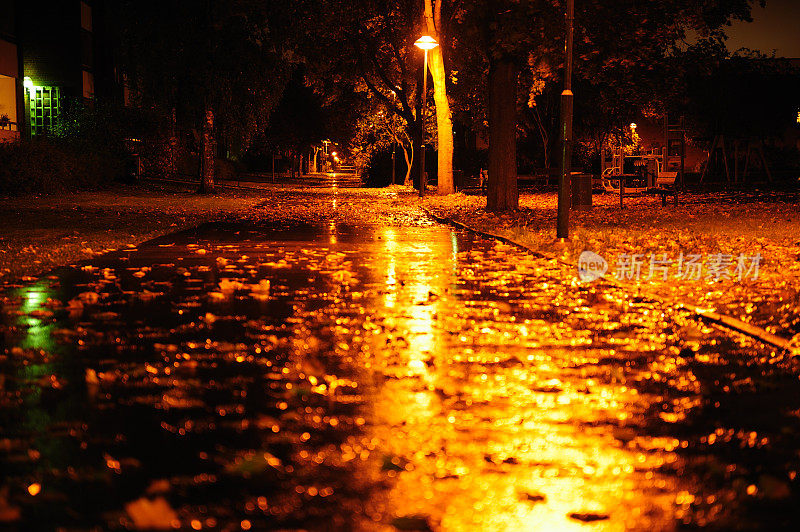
425	43
634	138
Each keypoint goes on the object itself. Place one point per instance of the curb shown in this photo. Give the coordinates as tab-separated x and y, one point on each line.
723	320
195	184
256	186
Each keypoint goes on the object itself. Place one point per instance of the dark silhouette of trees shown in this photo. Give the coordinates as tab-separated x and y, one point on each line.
222	65
625	63
493	41
301	121
741	95
365	48
217	64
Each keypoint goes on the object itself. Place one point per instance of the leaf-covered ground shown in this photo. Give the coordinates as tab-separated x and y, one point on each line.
338	361
40	232
731	224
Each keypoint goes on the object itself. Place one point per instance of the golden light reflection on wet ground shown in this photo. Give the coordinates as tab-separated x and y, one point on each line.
379	377
496	429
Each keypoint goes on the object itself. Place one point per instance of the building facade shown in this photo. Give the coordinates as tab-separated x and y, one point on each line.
11	101
48	61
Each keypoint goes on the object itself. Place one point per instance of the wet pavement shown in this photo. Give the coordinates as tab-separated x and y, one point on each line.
396	375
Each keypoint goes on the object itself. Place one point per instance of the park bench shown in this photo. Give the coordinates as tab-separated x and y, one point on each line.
665	186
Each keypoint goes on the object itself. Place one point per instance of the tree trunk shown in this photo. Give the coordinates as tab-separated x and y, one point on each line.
502	187
315	163
208	155
444	120
544	136
408	154
173	146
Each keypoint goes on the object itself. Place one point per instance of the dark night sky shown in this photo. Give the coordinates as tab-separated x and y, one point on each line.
776	27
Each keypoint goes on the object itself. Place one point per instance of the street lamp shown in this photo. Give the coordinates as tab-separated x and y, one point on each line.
426	44
634	138
325	144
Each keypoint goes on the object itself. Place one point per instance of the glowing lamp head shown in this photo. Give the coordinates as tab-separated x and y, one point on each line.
27	83
334	154
426	43
633	126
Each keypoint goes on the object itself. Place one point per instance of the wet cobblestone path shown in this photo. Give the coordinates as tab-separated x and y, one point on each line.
260	375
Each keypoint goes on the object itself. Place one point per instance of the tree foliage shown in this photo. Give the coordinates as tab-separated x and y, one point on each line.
363	52
235	58
191	55
626	58
379	130
741	95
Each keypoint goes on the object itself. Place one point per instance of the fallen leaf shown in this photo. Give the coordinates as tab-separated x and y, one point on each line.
588	517
149	514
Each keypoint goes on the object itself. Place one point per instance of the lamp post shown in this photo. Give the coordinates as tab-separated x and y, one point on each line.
326	143
567	99
426	44
28	90
394	165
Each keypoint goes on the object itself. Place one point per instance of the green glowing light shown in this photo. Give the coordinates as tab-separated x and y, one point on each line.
38	331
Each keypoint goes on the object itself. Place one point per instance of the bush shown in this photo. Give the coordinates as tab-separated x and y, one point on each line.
47	166
228	170
87	149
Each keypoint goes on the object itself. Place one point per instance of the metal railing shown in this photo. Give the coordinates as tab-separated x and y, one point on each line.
8	125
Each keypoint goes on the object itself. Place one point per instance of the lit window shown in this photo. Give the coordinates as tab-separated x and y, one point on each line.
45	105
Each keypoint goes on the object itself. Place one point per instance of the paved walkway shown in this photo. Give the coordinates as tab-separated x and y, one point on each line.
342	375
331	182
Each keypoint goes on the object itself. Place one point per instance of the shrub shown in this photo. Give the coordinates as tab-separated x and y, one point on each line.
48	166
87	149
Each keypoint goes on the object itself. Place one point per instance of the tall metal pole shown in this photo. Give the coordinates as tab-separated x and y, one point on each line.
567	100
27	127
422	177
394	166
